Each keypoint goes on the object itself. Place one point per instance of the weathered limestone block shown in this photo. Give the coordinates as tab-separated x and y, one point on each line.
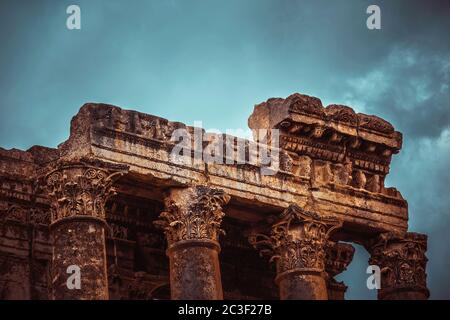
331	134
78	193
402	261
329	154
192	226
297	243
310	135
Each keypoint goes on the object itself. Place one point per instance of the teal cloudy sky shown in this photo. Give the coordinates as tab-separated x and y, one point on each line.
212	60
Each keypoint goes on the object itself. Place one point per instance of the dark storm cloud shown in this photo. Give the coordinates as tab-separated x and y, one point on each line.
213	60
410	88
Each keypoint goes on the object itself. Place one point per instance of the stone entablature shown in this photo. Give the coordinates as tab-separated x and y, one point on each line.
116	135
115	177
347	148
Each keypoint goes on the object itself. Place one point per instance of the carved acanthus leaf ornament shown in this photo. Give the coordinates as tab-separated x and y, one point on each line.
297	240
401	259
79	190
199	220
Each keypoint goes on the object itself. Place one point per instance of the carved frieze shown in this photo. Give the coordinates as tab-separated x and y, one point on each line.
343	114
13	212
306	104
375	123
335	133
114	119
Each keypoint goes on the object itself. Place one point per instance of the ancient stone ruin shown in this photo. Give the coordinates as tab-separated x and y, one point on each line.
140	224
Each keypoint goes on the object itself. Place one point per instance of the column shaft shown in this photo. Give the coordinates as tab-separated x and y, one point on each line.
302	286
195	271
81	243
77	194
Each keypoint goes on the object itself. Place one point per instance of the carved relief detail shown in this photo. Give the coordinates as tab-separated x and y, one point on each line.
118	231
79	190
401	259
137	124
338	257
14	212
200	219
341	113
306	104
375	123
40	216
297	240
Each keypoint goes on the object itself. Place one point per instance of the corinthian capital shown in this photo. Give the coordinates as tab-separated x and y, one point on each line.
80	189
297	240
402	261
193	213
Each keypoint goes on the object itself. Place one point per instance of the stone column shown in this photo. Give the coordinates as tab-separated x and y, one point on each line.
338	257
402	261
297	243
77	194
191	223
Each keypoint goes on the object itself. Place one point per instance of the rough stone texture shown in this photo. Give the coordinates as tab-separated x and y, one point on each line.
298	286
297	243
403	262
195	272
333	164
192	222
80	243
338	257
78	192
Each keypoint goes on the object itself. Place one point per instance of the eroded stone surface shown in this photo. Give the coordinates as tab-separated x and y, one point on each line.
330	157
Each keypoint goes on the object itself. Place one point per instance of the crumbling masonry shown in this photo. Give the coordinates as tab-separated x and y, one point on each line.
139	225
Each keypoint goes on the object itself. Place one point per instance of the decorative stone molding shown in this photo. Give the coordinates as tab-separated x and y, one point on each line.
80	189
402	261
128	285
194	214
297	243
191	223
335	134
338	257
297	240
333	154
